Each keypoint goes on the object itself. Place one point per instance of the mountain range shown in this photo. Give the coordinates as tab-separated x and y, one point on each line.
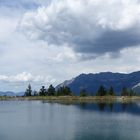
91	82
11	93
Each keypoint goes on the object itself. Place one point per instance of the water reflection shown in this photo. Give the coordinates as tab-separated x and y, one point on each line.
109	107
116	107
37	120
132	108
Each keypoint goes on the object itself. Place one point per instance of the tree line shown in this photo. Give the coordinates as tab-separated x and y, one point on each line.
51	91
124	91
66	91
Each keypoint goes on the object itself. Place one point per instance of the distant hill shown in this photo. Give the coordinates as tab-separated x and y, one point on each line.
11	94
91	82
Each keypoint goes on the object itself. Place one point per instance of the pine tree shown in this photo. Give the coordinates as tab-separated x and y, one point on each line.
124	92
28	91
83	93
43	91
51	90
59	91
66	90
63	91
101	91
111	91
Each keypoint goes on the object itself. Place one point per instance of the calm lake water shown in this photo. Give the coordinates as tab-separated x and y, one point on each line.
38	120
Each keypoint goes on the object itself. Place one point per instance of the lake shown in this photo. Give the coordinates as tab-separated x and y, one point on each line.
38	120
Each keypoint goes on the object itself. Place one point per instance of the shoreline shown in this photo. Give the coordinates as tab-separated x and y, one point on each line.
90	99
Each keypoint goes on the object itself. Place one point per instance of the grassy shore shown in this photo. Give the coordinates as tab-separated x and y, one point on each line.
77	98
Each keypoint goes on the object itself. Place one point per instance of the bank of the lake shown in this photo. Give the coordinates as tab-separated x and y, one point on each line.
77	98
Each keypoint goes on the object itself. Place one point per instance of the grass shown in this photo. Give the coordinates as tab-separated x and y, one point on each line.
77	98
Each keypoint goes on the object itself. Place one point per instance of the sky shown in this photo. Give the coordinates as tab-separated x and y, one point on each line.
45	42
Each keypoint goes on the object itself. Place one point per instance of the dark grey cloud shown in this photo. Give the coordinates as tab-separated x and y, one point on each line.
110	41
88	27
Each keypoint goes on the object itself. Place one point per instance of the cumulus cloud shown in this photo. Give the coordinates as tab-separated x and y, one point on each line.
26	77
90	27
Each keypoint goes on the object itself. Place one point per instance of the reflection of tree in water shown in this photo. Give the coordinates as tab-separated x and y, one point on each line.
111	106
117	107
83	104
101	106
124	106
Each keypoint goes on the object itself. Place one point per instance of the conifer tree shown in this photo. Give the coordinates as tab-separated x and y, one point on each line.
43	91
28	91
101	91
83	93
63	91
124	92
111	91
51	90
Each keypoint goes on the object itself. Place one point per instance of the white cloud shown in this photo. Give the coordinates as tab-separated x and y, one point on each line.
91	26
7	27
26	77
70	29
